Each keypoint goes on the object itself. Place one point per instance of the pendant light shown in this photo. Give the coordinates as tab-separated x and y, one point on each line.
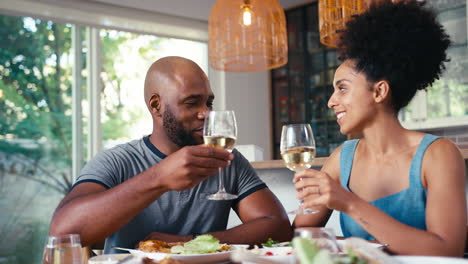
247	35
333	15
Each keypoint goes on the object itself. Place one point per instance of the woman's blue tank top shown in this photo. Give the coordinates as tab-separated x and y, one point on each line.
407	206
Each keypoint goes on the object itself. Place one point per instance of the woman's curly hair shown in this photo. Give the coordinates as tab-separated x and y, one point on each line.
401	43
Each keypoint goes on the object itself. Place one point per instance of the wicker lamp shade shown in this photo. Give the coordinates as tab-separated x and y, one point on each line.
333	15
247	35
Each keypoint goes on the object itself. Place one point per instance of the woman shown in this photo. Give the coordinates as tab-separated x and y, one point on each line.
401	187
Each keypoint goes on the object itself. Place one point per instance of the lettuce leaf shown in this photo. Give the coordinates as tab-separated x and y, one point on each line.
200	245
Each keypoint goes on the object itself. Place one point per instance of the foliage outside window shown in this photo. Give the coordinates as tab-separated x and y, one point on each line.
36	116
448	96
35	131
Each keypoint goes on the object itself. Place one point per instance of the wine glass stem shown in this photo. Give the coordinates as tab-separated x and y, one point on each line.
221	181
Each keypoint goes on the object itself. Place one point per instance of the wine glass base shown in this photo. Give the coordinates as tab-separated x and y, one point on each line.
301	211
222	196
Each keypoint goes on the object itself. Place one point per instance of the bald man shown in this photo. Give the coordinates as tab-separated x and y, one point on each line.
156	187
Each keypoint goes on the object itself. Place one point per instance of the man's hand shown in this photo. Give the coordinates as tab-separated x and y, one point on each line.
168	237
190	165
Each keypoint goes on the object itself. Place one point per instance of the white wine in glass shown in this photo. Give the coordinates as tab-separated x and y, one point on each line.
220	131
299	158
223	142
298	151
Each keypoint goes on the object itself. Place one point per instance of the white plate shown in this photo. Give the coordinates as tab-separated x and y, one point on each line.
189	258
112	259
281	255
342	242
429	260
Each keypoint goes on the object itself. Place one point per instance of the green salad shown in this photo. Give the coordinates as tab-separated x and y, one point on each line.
274	243
200	245
308	253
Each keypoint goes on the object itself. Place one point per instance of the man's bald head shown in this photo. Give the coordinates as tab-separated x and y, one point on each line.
177	94
165	73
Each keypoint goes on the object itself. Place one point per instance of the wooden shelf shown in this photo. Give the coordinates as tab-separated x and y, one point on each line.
464	153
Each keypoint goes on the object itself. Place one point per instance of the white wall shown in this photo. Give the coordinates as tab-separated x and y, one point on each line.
248	94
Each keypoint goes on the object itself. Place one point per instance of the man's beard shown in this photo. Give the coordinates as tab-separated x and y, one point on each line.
175	130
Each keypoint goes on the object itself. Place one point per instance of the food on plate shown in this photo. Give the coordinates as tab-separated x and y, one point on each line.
164	261
274	243
358	251
157	246
200	245
270	242
362	249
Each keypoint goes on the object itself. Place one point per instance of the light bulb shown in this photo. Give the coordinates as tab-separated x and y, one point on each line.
246	16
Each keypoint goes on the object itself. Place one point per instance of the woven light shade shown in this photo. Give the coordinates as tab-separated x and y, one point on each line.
247	35
333	15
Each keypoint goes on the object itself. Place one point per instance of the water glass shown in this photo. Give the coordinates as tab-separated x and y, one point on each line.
322	237
64	249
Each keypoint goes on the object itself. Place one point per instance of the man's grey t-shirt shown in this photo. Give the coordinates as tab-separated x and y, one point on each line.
175	212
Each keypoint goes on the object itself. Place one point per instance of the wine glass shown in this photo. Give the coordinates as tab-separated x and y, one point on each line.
220	131
298	151
64	249
321	237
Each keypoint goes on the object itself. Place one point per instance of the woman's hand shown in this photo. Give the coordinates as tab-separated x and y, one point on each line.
318	188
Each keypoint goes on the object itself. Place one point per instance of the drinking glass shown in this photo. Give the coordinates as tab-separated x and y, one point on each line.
298	151
322	237
220	131
65	249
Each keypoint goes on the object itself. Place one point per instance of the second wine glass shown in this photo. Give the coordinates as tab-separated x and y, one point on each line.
65	249
298	151
220	131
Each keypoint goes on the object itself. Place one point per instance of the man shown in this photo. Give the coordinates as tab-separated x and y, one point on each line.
157	187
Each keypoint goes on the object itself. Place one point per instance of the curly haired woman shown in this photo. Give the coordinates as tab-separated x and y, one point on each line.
400	187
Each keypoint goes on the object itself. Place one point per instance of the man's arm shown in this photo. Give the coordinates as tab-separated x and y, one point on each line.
94	212
262	216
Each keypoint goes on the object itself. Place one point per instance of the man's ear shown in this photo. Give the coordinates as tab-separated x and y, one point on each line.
381	91
155	104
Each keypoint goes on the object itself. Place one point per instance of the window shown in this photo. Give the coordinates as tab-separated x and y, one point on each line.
35	132
126	59
445	104
36	102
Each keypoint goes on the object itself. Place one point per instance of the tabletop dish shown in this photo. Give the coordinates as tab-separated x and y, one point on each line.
376	245
277	255
112	259
429	260
189	258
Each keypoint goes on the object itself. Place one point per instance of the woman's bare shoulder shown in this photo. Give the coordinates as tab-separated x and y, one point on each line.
443	157
443	149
